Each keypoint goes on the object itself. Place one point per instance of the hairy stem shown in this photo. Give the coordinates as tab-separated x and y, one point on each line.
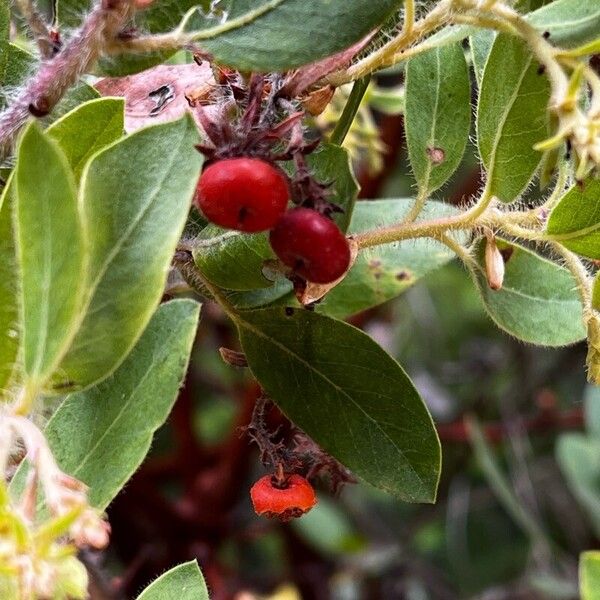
54	77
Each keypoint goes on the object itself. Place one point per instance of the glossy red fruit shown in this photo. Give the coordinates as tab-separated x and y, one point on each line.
292	500
311	244
247	194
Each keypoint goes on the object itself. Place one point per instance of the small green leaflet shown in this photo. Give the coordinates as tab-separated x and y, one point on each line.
135	216
9	296
437	114
348	394
233	260
88	128
53	253
184	582
575	221
511	117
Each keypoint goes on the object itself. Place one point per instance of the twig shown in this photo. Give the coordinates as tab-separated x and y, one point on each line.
54	77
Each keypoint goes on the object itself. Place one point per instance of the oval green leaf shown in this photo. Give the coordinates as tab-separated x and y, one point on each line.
383	272
437	115
52	250
511	117
569	22
575	221
278	35
136	196
87	129
9	292
116	420
538	302
348	394
233	260
184	582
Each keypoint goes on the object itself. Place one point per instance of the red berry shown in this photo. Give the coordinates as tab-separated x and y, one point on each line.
292	500
247	194
312	245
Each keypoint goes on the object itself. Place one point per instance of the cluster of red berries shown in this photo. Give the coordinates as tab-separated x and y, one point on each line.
251	195
285	500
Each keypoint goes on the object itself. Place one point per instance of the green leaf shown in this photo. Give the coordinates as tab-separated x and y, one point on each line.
379	273
383	272
184	582
511	117
78	94
481	43
589	575
579	459
136	197
87	129
575	221
4	33
274	35
538	302
332	164
591	401
158	17
9	291
348	394
437	115
569	22
14	70
285	25
233	260
116	420
53	251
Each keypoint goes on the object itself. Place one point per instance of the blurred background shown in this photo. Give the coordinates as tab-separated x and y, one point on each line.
519	497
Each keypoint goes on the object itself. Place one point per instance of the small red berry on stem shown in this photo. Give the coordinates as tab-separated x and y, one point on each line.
312	245
291	498
247	194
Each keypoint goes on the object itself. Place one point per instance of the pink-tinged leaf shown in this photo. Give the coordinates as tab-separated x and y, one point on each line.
162	93
300	80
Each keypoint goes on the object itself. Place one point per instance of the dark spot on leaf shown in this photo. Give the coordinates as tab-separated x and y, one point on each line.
378	275
546	34
402	276
436	155
541	70
289	311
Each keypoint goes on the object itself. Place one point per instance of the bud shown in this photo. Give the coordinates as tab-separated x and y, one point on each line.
494	264
90	530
